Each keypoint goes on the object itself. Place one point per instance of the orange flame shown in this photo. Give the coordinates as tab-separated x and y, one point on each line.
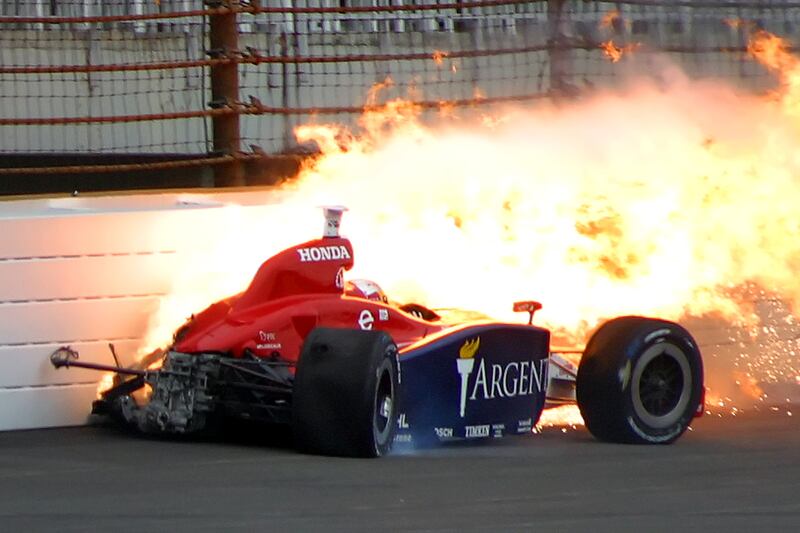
438	57
374	93
105	384
659	199
611	51
735	23
564	417
614	52
609	18
773	52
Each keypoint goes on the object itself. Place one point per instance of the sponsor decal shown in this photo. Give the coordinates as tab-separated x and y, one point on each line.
399	368
489	381
267	341
657	333
269	346
625	375
444	433
402	421
474	432
323	253
465	364
340	279
404	437
383	314
676	429
524	426
365	319
497	430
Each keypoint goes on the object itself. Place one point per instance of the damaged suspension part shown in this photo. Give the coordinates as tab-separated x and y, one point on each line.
180	398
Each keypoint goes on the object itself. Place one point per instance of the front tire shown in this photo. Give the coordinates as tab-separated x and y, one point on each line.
640	381
345	398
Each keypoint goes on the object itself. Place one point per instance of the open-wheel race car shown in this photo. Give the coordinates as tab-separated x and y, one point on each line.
353	373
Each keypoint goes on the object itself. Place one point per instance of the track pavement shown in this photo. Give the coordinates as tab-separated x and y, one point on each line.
728	474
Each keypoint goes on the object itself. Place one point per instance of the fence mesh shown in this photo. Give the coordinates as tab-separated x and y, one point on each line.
70	87
330	61
704	38
133	76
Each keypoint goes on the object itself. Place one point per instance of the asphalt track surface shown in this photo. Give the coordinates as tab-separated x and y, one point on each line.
729	474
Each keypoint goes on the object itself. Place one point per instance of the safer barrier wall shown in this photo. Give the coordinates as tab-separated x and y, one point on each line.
87	272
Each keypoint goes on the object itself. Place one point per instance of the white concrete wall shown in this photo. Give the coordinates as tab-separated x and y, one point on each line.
84	273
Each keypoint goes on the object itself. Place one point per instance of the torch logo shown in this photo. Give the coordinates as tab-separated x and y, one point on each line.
465	363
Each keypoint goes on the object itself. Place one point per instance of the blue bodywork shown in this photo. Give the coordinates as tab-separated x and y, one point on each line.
473	382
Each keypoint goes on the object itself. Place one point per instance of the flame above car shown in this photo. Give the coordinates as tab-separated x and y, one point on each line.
665	197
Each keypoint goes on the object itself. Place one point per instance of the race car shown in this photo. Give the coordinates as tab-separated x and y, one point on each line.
353	373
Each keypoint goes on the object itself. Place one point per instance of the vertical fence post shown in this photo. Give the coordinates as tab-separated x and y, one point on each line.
559	51
287	120
224	42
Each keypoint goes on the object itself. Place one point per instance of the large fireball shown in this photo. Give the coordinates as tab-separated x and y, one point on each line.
656	199
664	198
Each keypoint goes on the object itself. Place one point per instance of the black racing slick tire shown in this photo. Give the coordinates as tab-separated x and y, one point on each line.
345	398
640	381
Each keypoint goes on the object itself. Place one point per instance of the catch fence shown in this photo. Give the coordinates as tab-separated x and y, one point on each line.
127	86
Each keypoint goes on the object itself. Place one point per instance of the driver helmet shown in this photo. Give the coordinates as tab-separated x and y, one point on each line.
366	289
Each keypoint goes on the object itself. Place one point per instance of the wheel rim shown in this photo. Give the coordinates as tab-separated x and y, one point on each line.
662	384
384	406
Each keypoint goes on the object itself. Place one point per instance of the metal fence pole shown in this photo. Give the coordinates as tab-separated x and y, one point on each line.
224	42
560	85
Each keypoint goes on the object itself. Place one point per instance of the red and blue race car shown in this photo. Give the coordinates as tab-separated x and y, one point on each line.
354	374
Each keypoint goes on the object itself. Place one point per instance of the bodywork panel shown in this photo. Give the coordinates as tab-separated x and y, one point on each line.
476	381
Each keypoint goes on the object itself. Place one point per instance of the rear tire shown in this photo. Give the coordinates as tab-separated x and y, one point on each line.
346	393
640	381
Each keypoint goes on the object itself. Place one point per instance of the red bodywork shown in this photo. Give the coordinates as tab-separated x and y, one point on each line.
292	293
